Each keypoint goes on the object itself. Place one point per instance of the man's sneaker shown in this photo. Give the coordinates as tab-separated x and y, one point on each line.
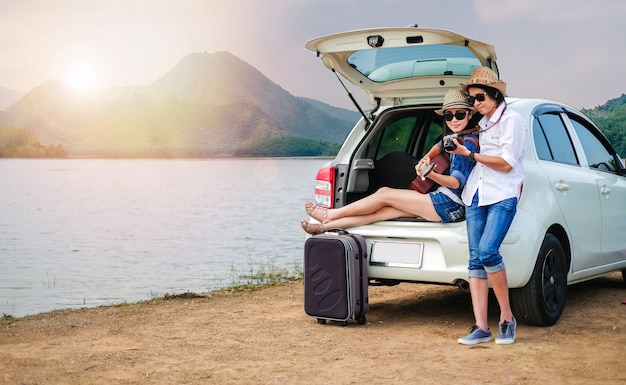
475	336
506	332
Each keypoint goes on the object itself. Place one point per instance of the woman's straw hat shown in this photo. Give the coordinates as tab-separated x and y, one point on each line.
455	99
486	77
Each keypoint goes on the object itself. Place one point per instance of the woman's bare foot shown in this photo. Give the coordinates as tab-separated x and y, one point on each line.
318	212
312	228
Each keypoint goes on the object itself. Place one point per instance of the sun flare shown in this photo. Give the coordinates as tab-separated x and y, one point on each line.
80	78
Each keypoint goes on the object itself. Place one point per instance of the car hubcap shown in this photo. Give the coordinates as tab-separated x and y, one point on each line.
552	291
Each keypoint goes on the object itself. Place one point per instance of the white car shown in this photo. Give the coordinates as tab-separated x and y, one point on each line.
572	212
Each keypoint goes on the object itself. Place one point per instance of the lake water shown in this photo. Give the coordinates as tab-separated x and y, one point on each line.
90	232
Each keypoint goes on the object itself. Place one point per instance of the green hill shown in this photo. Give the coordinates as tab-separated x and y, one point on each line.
611	120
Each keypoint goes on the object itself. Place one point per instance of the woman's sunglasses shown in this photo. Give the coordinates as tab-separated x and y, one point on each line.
480	97
459	115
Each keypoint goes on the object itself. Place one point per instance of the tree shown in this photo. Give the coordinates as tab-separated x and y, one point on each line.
20	143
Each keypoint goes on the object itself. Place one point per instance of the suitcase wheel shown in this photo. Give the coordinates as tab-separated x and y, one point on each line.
361	320
321	321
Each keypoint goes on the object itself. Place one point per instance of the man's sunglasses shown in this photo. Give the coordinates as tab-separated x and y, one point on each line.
459	115
480	97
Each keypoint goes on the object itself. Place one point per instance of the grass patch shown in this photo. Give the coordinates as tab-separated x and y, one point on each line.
7	319
263	274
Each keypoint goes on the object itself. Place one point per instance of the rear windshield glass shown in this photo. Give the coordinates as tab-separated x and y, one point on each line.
386	64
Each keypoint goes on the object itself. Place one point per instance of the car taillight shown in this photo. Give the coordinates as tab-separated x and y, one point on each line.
325	186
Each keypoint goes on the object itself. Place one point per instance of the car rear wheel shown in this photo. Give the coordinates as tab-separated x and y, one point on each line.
542	300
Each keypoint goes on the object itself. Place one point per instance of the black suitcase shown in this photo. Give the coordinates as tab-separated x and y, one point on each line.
335	277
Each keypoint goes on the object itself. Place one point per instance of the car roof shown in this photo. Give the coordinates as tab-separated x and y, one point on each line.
416	65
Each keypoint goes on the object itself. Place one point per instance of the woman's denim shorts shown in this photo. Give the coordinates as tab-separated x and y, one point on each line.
448	210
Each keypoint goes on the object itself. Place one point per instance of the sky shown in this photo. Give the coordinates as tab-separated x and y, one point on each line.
572	51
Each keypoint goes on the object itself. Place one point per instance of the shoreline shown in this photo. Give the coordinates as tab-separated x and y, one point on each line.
273	281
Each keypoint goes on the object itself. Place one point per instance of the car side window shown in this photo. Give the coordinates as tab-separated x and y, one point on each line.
541	142
552	140
433	135
410	132
396	136
598	156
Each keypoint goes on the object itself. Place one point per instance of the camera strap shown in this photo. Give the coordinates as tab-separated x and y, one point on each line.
493	125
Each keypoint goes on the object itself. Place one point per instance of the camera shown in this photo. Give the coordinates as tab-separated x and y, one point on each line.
448	142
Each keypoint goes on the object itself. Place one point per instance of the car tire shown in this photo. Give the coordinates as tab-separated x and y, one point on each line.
542	300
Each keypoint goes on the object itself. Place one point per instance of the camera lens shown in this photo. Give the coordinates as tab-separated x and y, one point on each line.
449	145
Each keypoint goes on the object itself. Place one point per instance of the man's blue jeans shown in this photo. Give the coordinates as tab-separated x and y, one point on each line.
486	228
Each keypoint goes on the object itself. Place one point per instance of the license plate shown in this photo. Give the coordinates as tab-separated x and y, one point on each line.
397	254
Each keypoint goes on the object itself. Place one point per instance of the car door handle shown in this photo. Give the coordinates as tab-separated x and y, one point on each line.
562	186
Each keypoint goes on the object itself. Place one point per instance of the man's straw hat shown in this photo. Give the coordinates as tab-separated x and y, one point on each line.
486	77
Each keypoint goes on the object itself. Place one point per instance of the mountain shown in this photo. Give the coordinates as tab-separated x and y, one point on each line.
339	113
611	120
207	105
8	97
608	108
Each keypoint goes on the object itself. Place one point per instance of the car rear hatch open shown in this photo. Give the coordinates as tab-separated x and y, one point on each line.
403	65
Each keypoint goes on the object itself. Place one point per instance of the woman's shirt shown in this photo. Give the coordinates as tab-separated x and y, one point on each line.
503	135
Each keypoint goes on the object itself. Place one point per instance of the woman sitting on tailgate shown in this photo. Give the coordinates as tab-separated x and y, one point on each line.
441	205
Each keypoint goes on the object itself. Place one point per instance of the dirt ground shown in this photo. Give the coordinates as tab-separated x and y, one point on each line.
264	337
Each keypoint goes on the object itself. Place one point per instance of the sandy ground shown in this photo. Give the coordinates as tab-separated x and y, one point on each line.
264	337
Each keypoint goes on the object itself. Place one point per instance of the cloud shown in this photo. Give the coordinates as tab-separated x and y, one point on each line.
551	12
17	41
